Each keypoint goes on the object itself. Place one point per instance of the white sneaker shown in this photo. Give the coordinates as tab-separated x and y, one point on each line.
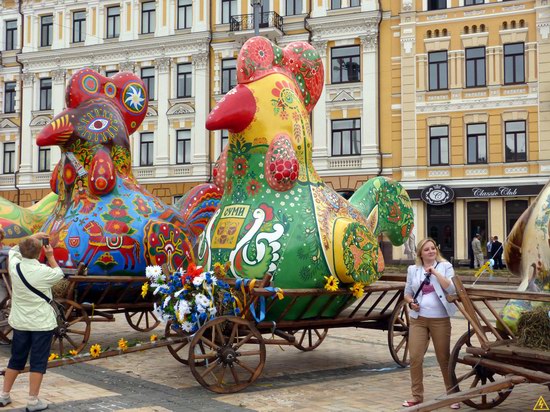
4	400
39	405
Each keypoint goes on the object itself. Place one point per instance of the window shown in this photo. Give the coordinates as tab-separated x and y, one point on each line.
472	2
293	7
185	14
79	26
9	158
229	8
439	145
229	74
224	139
184	80
9	97
514	71
475	67
113	22
148	17
46	31
183	147
336	4
43	159
354	3
345	64
437	4
477	143
11	34
45	94
110	73
346	137
516	141
514	209
438	70
148	77
146	149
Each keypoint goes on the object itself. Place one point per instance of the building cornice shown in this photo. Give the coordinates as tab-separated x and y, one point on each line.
341	26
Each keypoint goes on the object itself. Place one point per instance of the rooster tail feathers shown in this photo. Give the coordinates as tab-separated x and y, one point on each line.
387	207
196	207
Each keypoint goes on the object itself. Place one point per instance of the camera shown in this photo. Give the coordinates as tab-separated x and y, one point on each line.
45	241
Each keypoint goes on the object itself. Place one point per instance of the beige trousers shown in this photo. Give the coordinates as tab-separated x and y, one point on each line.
439	329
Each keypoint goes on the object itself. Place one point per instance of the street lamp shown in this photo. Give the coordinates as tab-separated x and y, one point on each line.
256	4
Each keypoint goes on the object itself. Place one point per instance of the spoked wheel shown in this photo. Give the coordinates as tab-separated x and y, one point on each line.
74	335
309	339
180	351
398	334
466	376
5	328
142	321
227	354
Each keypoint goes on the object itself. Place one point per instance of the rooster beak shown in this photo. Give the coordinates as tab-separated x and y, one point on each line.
234	112
57	132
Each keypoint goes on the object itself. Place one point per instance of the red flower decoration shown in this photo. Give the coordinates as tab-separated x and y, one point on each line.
116	227
261	52
240	166
118	213
117	202
253	187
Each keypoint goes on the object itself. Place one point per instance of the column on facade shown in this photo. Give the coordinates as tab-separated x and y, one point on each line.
319	10
454	75
543	40
128	18
162	17
58	104
201	15
319	126
35	38
369	116
497	220
58	29
408	94
461	232
201	137
25	145
92	24
163	94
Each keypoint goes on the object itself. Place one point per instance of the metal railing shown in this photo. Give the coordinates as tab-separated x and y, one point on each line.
246	21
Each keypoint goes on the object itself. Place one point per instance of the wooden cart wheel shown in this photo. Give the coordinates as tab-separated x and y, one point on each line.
234	351
142	321
5	328
468	376
309	339
76	332
398	334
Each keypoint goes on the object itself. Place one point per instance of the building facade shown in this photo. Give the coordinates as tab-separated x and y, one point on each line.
468	96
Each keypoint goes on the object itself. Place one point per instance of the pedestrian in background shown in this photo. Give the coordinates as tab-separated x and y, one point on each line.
428	282
497	250
489	247
31	317
477	251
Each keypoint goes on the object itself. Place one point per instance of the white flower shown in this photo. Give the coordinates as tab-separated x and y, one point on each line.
154	272
199	279
166	301
182	308
186	326
202	300
160	288
200	308
212	311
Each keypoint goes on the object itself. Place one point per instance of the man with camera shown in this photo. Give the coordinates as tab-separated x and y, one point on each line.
32	318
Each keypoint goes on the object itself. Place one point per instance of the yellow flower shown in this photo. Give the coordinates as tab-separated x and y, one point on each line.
219	269
95	350
122	344
53	356
280	294
154	338
73	352
357	290
332	283
144	289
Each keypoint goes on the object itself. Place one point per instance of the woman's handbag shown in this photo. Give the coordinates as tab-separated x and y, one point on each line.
58	308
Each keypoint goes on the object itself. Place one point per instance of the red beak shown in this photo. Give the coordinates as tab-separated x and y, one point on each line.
57	132
234	112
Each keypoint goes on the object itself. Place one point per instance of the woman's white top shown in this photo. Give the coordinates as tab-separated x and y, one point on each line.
432	299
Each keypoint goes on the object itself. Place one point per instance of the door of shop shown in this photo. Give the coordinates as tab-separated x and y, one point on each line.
478	222
441	228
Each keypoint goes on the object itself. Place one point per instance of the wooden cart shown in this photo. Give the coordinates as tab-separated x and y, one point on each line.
486	361
90	299
228	354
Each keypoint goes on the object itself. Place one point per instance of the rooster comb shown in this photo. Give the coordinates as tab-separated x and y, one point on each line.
299	61
126	90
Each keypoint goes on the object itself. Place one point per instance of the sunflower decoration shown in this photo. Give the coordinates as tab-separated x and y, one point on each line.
332	283
153	338
53	356
95	350
122	344
144	289
357	290
73	352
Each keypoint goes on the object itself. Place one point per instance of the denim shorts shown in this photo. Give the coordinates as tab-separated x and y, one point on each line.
38	343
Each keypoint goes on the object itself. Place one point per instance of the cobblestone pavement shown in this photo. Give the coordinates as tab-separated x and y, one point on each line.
351	371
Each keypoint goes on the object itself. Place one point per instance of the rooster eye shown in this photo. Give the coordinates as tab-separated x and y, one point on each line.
98	125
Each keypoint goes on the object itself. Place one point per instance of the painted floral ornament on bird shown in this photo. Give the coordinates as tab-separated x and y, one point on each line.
276	215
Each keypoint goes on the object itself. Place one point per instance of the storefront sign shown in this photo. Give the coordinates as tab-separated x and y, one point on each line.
437	195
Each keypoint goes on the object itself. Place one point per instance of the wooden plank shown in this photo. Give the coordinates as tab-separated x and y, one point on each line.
505	294
469	310
504	369
497	316
521	351
359	305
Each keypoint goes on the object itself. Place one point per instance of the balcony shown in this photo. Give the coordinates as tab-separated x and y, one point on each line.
271	25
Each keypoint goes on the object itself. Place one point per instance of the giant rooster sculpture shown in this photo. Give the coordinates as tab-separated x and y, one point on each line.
102	216
277	215
527	254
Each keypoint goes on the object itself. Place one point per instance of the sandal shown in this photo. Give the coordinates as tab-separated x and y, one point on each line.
408	404
455	406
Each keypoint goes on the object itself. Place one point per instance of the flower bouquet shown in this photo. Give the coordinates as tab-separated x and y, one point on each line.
189	298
